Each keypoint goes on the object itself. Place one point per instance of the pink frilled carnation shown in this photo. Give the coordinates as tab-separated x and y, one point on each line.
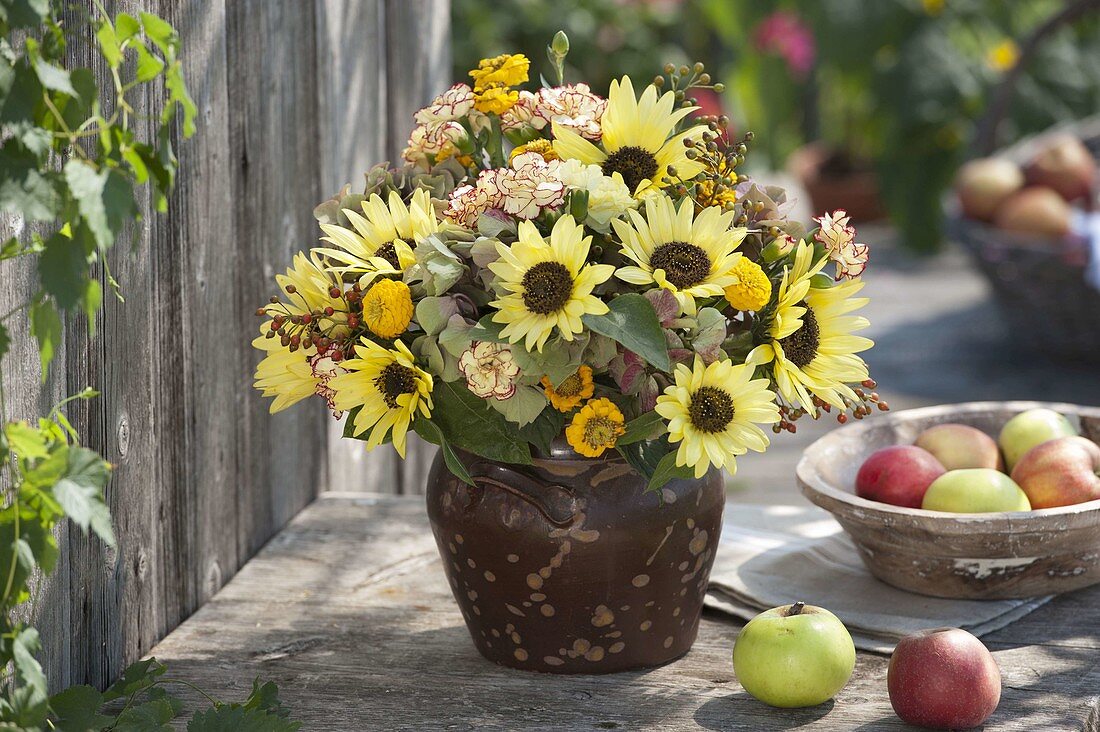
785	34
452	104
432	139
523	191
573	106
489	369
839	239
524	112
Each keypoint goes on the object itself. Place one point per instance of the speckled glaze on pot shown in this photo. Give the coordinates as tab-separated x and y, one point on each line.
569	566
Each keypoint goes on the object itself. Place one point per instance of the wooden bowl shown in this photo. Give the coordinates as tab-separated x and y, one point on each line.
972	556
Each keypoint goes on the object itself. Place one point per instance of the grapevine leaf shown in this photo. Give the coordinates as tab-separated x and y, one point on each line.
236	718
80	492
161	33
632	322
25	441
134	678
24	13
63	270
29	698
76	709
53	77
265	697
154	715
46	327
178	96
126	27
24	188
148	65
108	44
104	198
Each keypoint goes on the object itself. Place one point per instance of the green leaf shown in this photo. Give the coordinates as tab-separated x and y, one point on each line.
93	298
148	65
20	92
542	431
641	428
104	199
236	718
430	432
177	89
265	697
53	77
134	678
469	423
108	44
25	441
527	403
24	188
126	27
154	715
46	327
34	546
643	456
667	470
29	698
24	13
161	33
63	270
80	492
76	709
632	322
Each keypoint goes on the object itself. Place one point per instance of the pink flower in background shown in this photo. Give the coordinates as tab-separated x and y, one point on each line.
785	34
839	238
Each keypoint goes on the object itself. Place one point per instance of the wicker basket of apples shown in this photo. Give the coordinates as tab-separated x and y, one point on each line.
981	500
1027	216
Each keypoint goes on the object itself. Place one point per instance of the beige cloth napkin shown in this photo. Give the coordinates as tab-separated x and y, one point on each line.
775	555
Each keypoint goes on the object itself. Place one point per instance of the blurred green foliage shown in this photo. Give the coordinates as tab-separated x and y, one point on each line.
903	83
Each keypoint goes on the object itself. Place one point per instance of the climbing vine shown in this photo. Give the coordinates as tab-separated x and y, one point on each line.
75	160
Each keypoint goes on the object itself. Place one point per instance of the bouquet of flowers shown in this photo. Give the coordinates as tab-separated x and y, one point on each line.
551	262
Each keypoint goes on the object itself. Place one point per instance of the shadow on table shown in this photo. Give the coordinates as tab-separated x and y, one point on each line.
732	712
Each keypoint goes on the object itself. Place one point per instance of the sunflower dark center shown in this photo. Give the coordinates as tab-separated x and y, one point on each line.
570	387
684	264
388	252
547	287
711	409
800	347
394	381
633	163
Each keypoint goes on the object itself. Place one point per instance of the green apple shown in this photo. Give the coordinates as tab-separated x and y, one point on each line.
1031	428
974	490
794	656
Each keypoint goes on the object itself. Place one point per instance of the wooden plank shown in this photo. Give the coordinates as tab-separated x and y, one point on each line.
274	169
351	47
378	643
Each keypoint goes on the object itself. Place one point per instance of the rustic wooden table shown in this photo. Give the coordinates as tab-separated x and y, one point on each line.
348	611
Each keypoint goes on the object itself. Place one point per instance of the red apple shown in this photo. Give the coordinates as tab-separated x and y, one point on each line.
982	184
959	446
898	475
1064	164
1034	210
1060	472
944	679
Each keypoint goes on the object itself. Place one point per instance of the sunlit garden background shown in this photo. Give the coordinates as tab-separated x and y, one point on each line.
874	106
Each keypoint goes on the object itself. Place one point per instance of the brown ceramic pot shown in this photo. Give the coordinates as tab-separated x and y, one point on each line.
569	566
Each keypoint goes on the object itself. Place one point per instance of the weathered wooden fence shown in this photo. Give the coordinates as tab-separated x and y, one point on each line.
295	98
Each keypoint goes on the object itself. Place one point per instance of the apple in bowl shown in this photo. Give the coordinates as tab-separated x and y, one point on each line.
974	490
898	475
959	446
1060	472
1030	428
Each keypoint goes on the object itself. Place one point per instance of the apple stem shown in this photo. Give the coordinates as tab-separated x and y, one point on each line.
796	609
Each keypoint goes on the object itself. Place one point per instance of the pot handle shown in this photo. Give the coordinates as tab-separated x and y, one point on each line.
556	502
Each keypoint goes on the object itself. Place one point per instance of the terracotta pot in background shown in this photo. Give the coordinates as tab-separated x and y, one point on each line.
569	566
835	182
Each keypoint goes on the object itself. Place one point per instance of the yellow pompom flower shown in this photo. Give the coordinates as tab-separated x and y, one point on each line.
495	99
539	145
714	412
388	308
505	70
1003	56
571	392
753	289
595	428
389	387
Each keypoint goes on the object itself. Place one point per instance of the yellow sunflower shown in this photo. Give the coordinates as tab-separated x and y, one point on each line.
307	288
571	392
808	341
549	284
638	140
283	374
690	255
389	387
714	412
595	428
382	240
